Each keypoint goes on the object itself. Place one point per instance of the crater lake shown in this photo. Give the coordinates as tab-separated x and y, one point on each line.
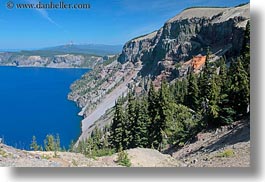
33	101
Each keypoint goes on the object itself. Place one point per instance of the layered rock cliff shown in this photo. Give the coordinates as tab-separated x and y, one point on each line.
188	34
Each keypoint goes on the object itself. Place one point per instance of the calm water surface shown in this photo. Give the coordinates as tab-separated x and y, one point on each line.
33	101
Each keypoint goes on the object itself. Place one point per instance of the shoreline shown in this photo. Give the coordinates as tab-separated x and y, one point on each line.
102	108
49	67
107	103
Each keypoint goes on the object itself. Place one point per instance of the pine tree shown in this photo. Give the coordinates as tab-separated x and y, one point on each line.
204	84
129	123
183	124
176	89
116	133
140	129
49	143
71	146
180	90
239	94
105	143
222	72
210	84
213	100
153	113
226	112
192	97
164	113
34	145
57	145
184	89
152	102
81	147
96	136
90	147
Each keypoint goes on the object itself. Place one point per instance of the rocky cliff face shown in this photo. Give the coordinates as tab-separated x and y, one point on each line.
51	61
188	34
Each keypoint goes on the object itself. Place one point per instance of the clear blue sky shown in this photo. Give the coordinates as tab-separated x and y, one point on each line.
107	22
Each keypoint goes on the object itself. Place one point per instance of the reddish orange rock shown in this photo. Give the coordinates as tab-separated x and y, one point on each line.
198	62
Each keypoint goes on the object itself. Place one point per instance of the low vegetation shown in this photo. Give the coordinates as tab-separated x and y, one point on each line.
51	143
123	159
3	153
226	153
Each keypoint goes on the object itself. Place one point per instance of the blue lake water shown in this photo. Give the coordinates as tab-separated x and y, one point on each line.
33	101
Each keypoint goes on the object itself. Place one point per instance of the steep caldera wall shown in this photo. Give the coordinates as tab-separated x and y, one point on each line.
188	34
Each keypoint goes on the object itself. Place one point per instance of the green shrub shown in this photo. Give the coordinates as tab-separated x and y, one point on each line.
74	162
226	153
3	153
104	152
123	159
44	156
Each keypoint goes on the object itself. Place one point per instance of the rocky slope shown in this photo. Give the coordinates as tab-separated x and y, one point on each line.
49	59
227	146
11	157
180	45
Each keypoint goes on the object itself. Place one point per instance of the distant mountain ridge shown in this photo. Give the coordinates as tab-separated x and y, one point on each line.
64	56
95	49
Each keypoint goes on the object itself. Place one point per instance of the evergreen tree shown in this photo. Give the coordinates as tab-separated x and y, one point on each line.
116	133
140	129
105	143
71	146
192	97
183	89
183	124
96	137
210	92
176	89
226	112
239	88
34	145
180	90
90	147
82	147
164	113
129	123
204	83
153	113
49	143
222	73
213	100
57	145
